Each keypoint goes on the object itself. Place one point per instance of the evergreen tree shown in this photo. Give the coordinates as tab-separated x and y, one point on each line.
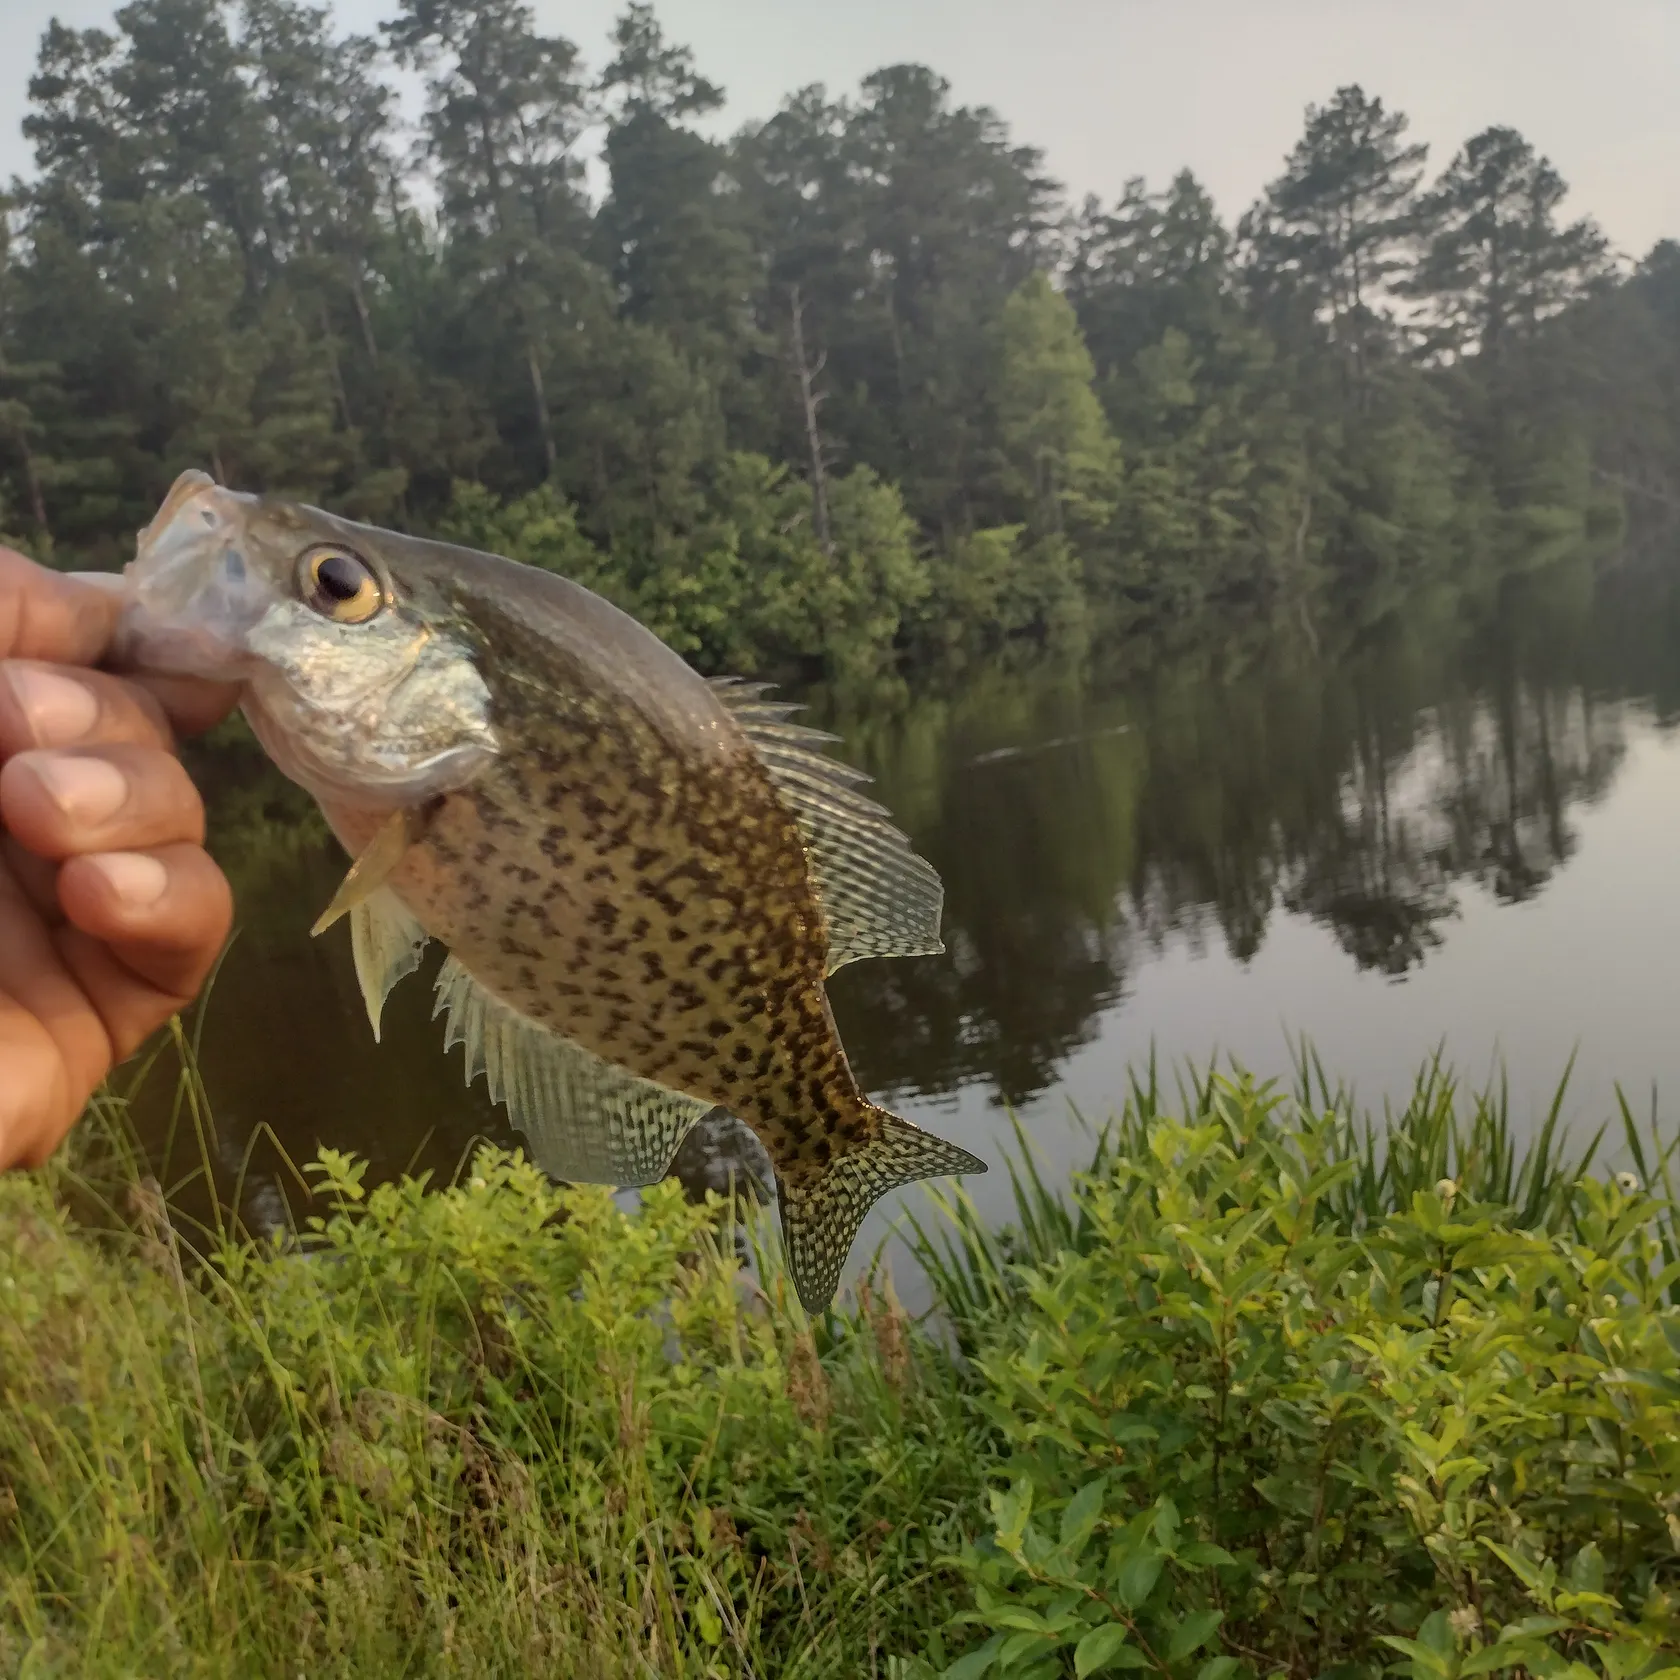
1497	265
671	229
506	108
1496	261
20	383
1334	231
1060	463
1155	261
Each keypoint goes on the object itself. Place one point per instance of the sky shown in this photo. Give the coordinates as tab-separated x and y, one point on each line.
1115	88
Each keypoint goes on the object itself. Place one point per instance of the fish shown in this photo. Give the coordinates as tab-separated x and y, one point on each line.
642	877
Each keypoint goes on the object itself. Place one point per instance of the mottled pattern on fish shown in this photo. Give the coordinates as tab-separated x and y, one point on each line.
652	904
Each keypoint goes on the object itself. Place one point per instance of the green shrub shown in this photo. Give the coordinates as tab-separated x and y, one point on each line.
1244	1434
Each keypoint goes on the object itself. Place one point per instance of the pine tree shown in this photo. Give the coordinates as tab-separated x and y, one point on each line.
1497	262
671	230
506	108
1334	230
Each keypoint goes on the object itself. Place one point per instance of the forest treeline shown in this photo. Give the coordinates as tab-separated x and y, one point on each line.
856	384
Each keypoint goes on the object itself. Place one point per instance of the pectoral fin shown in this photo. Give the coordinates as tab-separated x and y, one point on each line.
373	868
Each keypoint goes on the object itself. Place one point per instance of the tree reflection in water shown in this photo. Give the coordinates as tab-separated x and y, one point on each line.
1366	788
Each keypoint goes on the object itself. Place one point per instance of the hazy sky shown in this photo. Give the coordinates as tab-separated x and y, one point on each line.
1113	88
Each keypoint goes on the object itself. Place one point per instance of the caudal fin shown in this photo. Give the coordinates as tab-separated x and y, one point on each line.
821	1216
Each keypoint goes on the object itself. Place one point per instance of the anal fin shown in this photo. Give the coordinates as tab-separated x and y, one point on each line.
387	942
821	1216
585	1120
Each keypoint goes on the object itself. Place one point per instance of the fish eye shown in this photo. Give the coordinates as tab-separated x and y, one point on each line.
340	585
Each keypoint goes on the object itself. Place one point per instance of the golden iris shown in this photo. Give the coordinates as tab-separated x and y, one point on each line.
340	585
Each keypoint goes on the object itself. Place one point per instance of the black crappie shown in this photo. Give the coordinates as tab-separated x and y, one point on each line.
642	878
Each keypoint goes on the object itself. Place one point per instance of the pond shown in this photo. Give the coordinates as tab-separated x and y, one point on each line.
1456	827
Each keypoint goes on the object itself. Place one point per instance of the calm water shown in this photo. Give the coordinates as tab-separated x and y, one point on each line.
1458	826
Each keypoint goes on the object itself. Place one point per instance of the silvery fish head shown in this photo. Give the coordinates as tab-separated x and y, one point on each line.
360	677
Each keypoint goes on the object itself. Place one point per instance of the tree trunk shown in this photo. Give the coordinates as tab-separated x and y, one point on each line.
32	482
540	397
339	389
810	400
358	296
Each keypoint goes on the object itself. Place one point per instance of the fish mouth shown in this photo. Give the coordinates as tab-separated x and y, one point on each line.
190	487
193	594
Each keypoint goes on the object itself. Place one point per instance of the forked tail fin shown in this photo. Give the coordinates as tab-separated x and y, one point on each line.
821	1216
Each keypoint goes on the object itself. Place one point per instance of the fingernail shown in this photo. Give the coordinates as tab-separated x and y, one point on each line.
139	881
58	710
87	790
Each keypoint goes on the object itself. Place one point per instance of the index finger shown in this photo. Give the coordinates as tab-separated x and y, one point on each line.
47	616
60	619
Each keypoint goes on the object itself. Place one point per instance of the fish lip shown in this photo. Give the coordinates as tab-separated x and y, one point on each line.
185	488
193	595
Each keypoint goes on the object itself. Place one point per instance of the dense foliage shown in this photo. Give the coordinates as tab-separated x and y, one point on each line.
854	382
1265	1397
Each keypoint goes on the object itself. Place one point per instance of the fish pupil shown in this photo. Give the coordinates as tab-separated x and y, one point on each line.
340	577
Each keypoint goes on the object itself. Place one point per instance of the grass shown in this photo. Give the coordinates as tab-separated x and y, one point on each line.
500	1428
1445	1131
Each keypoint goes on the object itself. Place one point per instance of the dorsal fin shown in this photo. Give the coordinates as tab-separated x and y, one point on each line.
585	1120
878	897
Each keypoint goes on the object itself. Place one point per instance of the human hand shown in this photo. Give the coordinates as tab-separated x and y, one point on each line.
111	911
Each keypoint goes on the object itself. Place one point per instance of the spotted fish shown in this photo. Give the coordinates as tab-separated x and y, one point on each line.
642	878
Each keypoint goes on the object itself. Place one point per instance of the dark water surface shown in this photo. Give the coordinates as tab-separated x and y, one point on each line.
1459	825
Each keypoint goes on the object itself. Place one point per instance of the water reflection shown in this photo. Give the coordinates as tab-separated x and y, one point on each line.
1364	788
1087	817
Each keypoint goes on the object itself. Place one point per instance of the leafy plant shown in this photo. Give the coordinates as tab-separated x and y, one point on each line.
1244	1402
1375	1429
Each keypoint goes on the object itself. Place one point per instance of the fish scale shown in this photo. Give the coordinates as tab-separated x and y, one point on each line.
722	1010
643	878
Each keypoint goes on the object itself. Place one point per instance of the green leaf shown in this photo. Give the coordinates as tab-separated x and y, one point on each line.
1586	1571
1424	1660
711	1625
1166	1524
1193	1633
1623	1658
1082	1512
1437	1634
1017	1616
1017	1646
1204	1552
910	1668
1536	1627
1533	1575
1010	1512
1137	1577
1098	1649
975	1663
1218	1668
1491	1659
